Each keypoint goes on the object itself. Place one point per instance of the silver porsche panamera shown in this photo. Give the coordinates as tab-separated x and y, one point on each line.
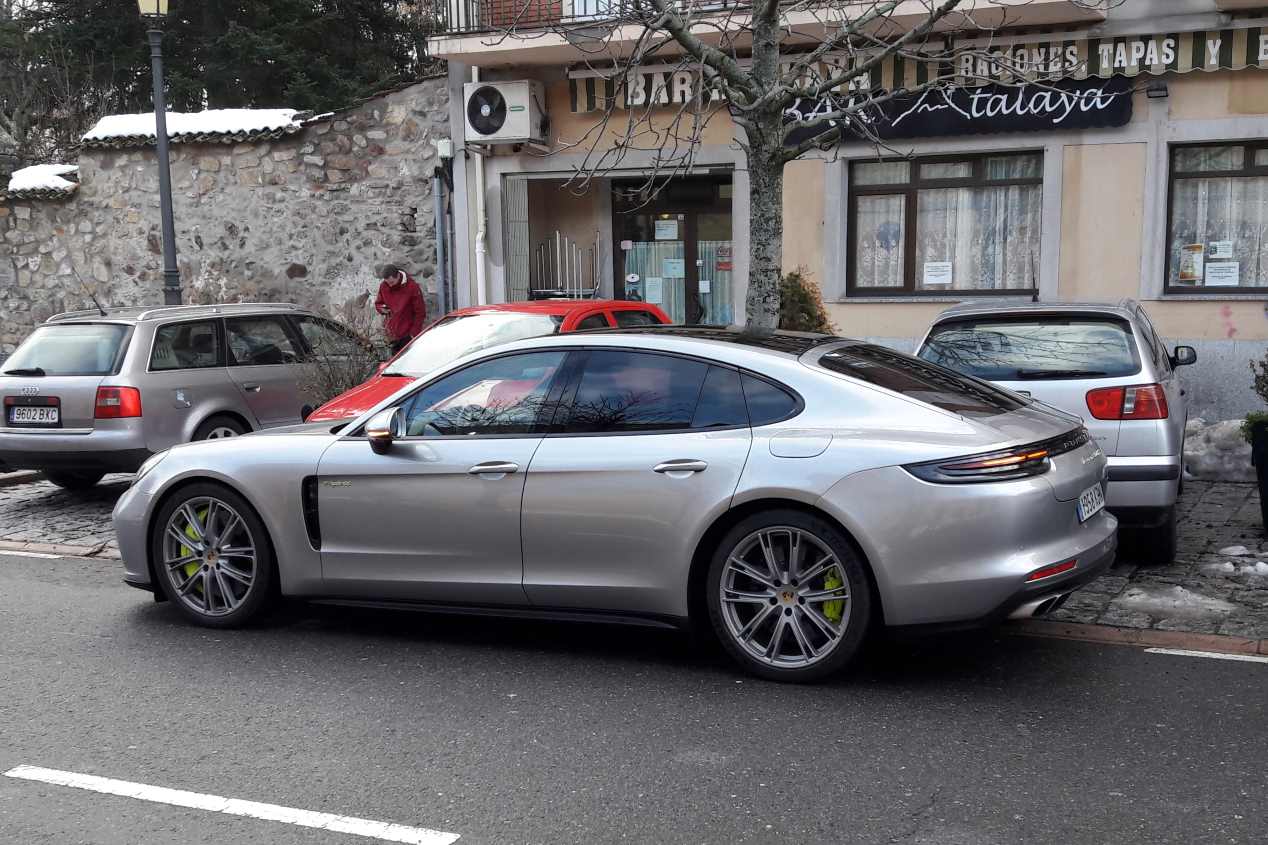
789	492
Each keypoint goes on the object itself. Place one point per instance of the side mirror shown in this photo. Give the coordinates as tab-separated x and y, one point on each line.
384	428
1184	356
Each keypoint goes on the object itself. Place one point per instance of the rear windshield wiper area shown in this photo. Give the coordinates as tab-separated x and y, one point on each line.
1042	374
26	371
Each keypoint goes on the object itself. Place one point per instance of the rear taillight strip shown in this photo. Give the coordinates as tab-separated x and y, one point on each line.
1019	462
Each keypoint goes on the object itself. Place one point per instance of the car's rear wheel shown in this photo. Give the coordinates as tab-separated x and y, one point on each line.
72	480
788	596
212	556
219	427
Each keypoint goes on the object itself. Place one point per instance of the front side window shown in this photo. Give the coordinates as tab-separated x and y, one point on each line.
594	321
1031	349
504	395
186	346
917	379
69	349
968	224
624	391
1218	231
256	341
634	319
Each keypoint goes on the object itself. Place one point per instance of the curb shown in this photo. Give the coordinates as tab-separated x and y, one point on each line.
98	552
13	479
1138	637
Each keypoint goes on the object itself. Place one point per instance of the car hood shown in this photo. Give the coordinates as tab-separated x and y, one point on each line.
358	400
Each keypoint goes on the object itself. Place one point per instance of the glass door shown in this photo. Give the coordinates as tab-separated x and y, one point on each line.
655	262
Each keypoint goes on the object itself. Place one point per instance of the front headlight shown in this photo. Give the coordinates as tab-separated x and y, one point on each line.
150	463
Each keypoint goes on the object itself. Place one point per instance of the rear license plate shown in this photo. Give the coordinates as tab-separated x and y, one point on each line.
47	413
1091	502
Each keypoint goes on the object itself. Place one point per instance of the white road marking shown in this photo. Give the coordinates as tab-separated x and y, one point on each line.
1217	655
385	831
33	554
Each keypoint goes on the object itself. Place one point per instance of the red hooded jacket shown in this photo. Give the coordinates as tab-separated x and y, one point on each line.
407	311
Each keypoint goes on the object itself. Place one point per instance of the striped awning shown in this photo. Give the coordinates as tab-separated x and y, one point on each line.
1046	57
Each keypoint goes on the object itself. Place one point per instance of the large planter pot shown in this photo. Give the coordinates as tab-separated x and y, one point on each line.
1259	457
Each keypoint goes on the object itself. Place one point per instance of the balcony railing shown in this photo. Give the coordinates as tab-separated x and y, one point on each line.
459	17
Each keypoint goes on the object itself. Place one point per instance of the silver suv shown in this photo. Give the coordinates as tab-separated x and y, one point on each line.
91	392
1103	362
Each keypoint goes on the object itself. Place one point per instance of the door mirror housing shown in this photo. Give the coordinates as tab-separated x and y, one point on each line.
1184	356
384	429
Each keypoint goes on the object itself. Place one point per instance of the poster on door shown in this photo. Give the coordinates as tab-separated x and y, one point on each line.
723	261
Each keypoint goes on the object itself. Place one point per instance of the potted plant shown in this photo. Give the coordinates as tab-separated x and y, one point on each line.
1255	430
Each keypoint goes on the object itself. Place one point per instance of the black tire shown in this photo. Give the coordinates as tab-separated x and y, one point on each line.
255	599
1158	543
840	648
74	480
214	428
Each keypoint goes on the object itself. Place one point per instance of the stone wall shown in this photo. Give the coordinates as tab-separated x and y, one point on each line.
308	218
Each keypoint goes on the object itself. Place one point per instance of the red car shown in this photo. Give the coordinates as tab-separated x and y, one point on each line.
472	329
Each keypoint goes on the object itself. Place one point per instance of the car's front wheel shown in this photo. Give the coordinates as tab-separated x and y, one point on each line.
788	596
72	480
212	556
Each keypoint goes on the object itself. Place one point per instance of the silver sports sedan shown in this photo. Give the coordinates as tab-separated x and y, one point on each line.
788	492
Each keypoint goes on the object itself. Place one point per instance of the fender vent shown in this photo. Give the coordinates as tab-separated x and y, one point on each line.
308	500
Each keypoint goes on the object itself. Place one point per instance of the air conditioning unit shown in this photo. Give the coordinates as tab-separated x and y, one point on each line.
506	112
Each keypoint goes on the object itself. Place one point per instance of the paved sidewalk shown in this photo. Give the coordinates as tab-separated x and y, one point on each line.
43	514
1217	585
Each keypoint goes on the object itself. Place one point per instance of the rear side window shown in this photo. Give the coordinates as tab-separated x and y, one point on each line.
634	391
721	401
634	319
934	385
186	346
69	349
1047	347
594	321
767	403
260	340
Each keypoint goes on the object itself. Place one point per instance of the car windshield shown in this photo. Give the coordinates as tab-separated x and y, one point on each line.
68	349
456	336
1033	348
919	380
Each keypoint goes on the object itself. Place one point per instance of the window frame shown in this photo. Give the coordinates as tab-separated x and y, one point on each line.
910	191
1248	170
221	339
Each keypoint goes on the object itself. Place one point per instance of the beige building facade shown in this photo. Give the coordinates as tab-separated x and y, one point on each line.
1161	196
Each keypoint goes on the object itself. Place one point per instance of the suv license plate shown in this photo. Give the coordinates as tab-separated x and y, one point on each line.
35	415
1091	502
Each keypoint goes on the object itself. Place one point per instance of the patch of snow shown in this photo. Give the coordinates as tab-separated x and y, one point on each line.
1259	568
43	177
1235	551
1217	451
212	122
1172	601
1224	568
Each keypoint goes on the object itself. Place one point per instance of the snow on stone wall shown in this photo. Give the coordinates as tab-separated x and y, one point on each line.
308	217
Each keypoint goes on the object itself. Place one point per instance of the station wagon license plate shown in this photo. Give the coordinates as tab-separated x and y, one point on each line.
46	413
1091	502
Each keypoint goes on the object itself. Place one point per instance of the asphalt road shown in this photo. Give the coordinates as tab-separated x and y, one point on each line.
514	732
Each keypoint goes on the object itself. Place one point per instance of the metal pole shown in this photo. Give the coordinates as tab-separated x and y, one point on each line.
437	188
171	275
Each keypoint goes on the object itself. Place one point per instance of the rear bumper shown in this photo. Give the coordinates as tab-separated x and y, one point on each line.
1141	485
117	446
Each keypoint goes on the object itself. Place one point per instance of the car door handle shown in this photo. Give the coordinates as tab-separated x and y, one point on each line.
251	388
681	465
494	468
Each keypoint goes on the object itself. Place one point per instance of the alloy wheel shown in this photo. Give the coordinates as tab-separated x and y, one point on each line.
209	556
784	597
220	432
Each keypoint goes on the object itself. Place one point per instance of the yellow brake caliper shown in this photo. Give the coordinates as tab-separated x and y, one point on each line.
186	551
835	609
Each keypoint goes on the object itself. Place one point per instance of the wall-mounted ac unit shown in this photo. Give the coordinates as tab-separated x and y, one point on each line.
506	112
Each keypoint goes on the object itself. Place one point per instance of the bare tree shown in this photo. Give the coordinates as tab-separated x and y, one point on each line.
790	86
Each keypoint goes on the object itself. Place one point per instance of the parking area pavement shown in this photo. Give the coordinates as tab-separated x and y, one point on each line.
1217	585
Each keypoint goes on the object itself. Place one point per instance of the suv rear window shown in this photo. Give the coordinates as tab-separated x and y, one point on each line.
920	380
1033	348
70	349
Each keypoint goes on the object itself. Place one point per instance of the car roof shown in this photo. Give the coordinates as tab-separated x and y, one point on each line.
553	307
1123	308
784	343
139	314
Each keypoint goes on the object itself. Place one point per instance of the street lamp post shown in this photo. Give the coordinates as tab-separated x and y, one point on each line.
154	11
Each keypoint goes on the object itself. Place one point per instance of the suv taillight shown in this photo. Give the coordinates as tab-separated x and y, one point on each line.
1139	402
115	403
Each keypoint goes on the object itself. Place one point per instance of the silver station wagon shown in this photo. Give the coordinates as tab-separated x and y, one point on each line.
89	393
1103	362
788	492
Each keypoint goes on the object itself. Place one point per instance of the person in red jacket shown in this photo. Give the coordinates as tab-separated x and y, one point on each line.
400	301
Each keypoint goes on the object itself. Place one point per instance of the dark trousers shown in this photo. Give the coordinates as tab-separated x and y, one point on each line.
399	344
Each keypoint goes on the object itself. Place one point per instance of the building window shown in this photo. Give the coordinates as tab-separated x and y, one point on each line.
961	225
1218	218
